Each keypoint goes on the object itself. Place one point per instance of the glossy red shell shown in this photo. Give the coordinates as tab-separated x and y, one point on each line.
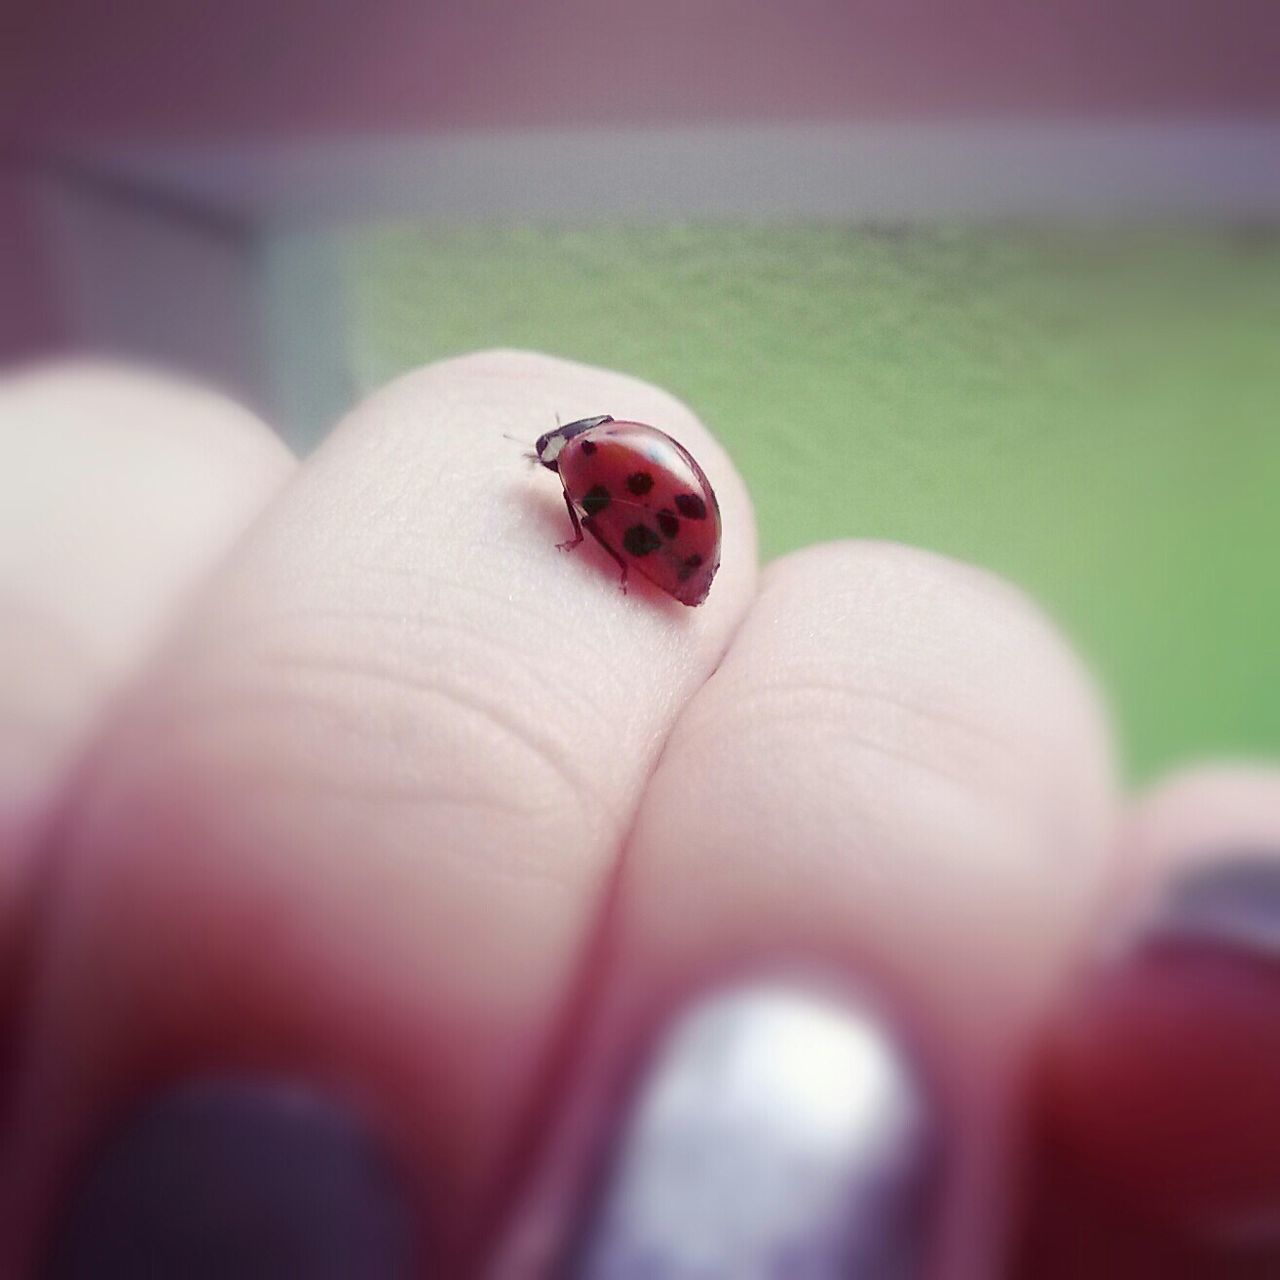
644	497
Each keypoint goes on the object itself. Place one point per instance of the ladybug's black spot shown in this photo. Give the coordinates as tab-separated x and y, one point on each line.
595	500
691	506
639	482
686	570
669	525
588	447
639	540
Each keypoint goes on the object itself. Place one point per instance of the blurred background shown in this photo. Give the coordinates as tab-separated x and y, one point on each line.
995	278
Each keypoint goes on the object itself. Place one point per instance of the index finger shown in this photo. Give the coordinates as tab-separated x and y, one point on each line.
354	827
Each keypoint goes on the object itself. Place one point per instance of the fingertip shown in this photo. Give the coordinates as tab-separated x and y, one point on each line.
1191	815
120	488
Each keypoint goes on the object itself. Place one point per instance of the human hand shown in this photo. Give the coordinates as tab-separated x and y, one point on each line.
424	905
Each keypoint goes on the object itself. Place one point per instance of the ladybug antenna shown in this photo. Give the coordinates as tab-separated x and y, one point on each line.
529	454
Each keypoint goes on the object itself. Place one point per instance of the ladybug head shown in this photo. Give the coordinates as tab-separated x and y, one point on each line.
546	449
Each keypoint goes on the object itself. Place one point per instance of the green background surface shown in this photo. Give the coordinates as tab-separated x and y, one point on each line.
1095	414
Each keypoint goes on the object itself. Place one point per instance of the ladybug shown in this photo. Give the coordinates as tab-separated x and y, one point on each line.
643	498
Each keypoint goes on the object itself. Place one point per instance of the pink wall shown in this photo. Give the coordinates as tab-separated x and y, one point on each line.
155	69
77	73
29	315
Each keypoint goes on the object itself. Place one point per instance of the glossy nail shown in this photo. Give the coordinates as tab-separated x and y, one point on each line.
237	1178
778	1133
1158	1108
1232	906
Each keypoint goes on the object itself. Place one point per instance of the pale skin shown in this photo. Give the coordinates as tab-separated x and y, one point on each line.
404	765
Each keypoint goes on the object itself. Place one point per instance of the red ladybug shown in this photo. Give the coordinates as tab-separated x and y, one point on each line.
642	497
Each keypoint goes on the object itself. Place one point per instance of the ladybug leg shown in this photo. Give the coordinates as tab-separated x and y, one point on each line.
577	528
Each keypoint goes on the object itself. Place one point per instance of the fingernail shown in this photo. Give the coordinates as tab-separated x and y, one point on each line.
1232	906
1159	1105
779	1133
238	1178
1200	997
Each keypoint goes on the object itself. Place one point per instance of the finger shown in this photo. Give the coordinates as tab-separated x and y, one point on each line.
1159	1105
118	491
896	780
355	828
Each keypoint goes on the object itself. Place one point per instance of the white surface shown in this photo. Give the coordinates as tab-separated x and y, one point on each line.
904	170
